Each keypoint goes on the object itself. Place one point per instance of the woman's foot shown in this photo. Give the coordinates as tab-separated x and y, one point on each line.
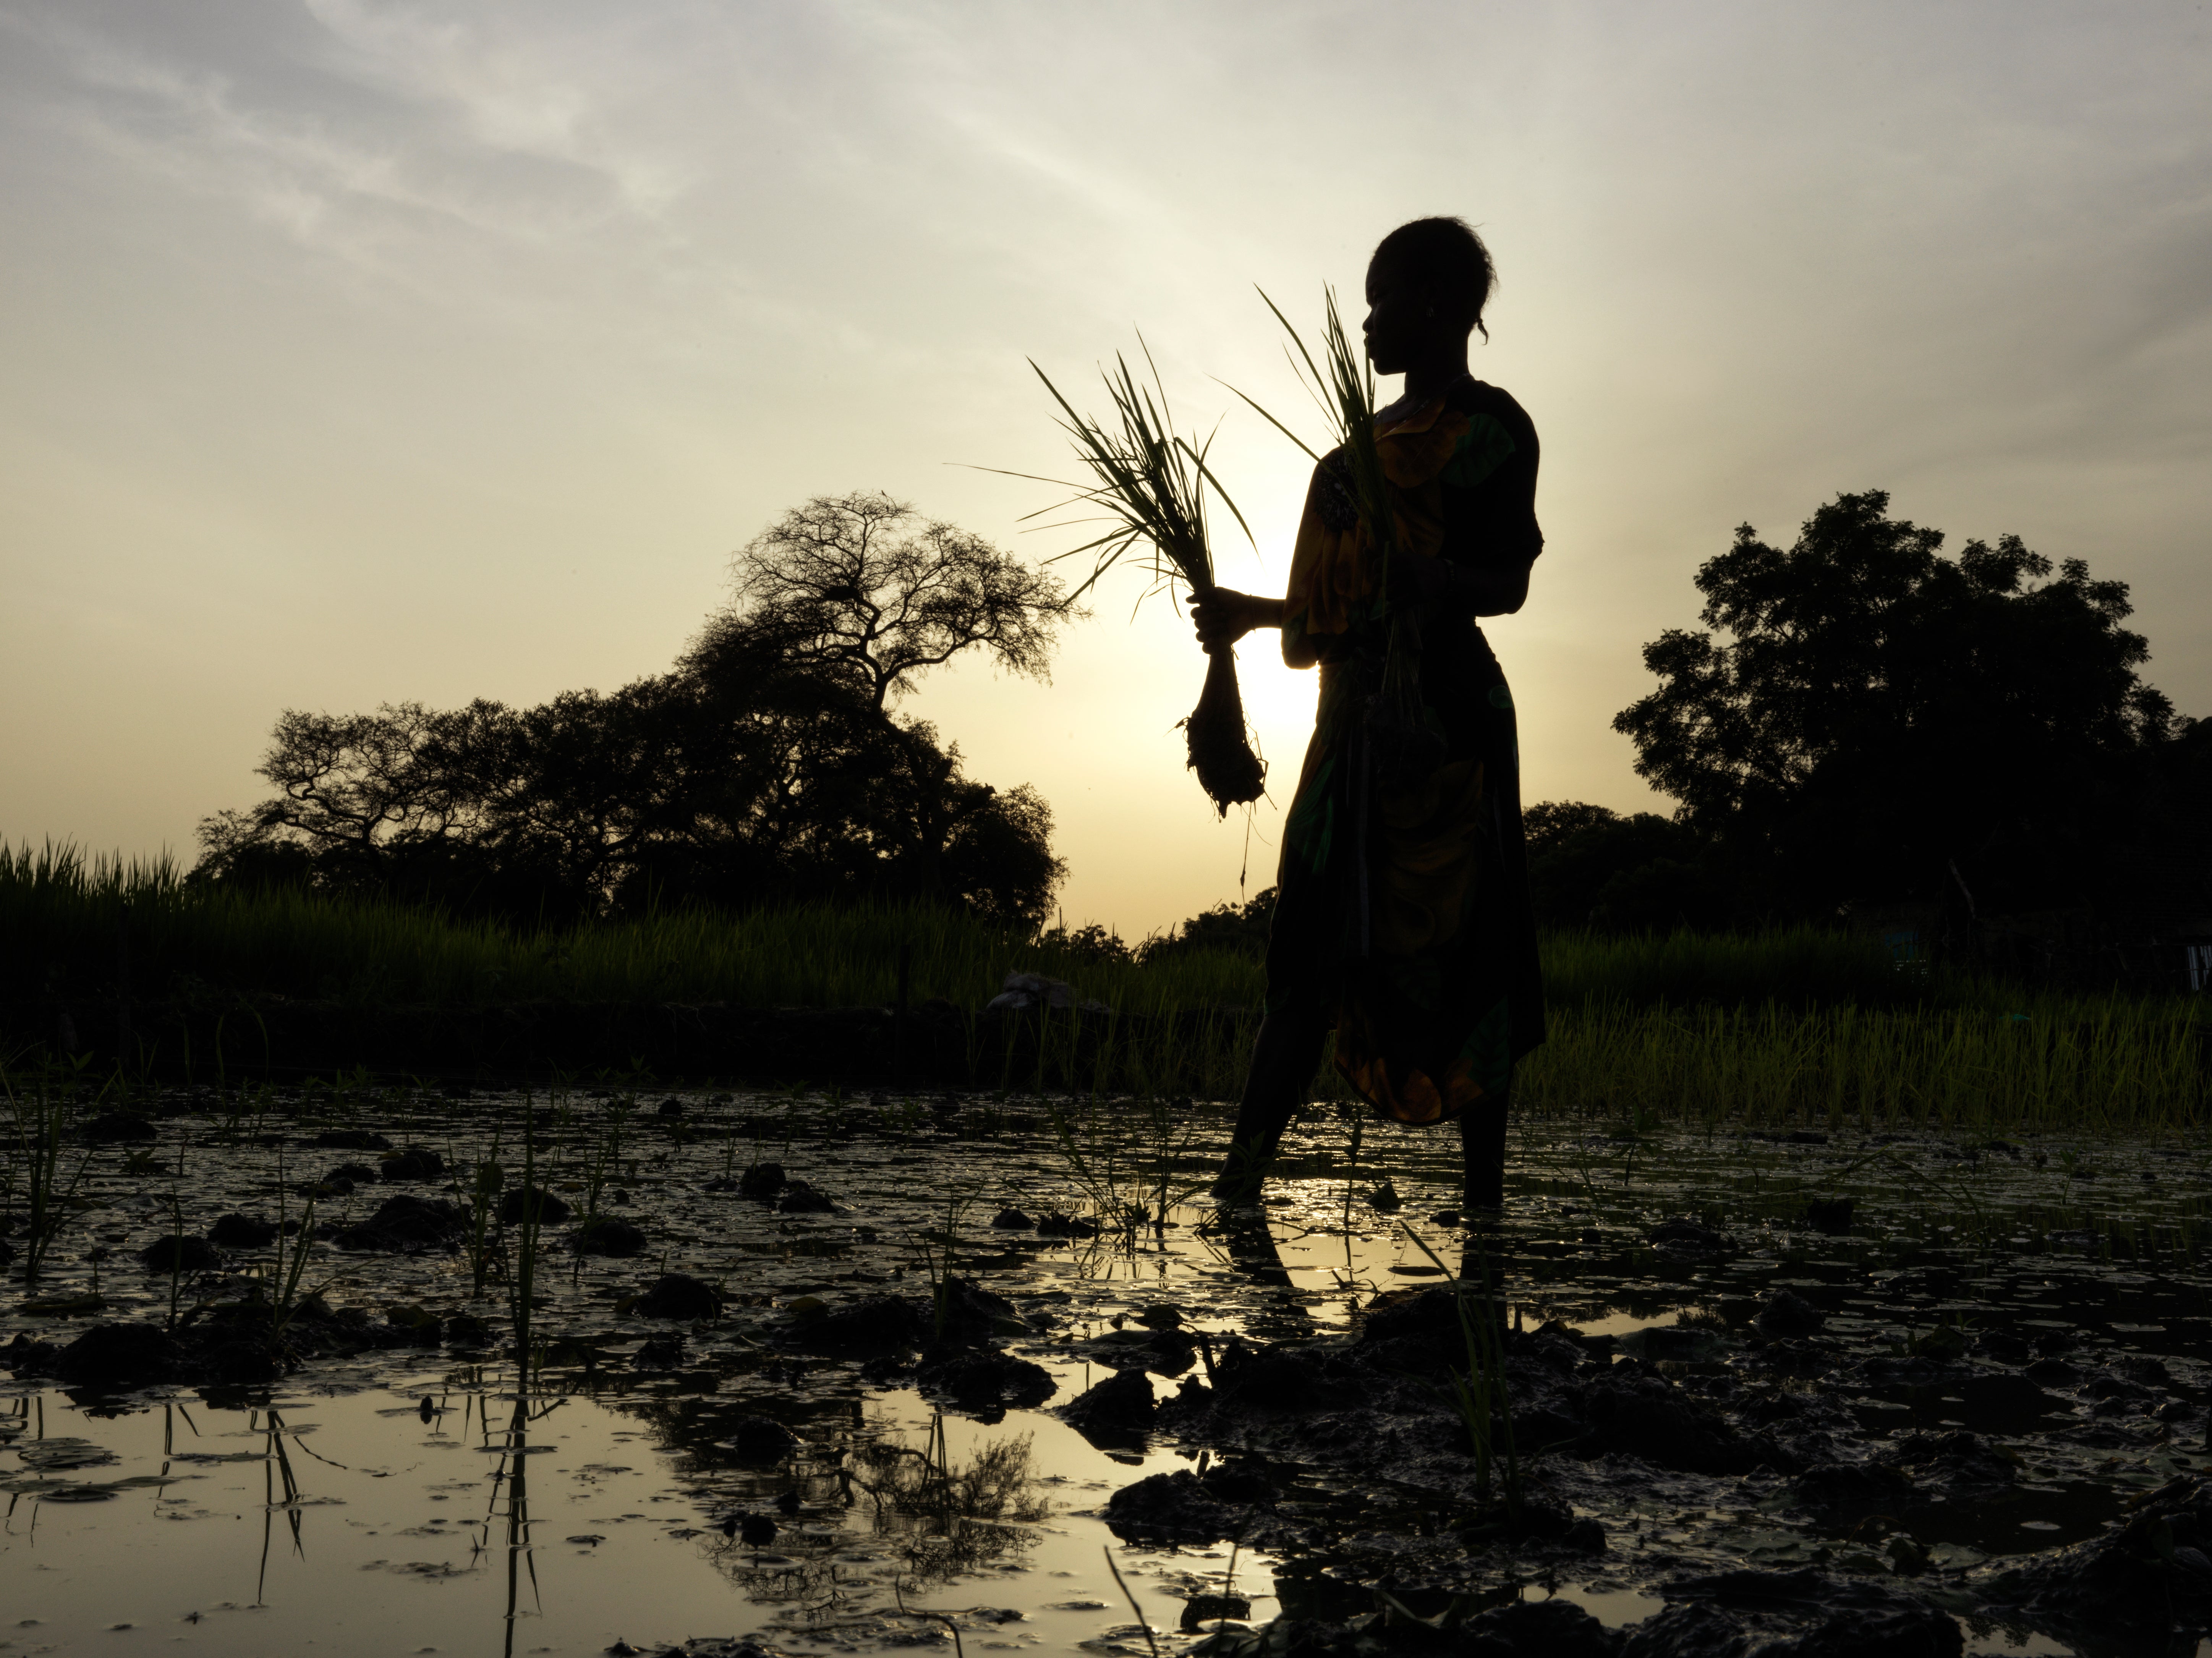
1238	1180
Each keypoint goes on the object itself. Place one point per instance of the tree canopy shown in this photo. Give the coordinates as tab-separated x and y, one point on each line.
862	584
1864	719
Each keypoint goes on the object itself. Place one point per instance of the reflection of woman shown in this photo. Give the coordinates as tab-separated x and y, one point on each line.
1402	911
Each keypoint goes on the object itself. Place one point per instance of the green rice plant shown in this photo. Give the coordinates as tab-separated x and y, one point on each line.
487	1186
176	1257
41	1109
1150	484
2107	1064
292	1252
1478	1393
280	1285
935	1249
1799	1025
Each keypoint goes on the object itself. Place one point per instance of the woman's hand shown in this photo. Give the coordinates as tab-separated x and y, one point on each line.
1222	616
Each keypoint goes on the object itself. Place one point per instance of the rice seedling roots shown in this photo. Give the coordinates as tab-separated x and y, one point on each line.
1220	742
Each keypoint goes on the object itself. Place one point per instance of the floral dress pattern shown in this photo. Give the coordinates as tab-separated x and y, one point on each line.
1402	910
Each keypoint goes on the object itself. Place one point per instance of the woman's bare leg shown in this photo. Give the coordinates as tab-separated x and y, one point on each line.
1482	1145
1284	1056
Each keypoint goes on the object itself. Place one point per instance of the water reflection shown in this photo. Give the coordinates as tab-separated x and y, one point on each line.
931	1514
944	1518
275	1464
511	1479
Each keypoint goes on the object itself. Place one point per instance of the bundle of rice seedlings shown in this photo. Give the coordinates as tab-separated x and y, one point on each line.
1406	743
1150	485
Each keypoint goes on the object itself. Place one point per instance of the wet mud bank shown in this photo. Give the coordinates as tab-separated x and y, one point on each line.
904	1371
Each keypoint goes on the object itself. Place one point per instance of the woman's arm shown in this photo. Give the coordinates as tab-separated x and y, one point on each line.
1224	616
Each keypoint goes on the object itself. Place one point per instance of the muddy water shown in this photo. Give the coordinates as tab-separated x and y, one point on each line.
388	1502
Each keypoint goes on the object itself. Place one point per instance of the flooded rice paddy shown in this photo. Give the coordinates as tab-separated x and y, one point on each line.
857	1374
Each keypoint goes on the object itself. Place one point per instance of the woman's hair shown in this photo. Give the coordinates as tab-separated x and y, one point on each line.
1446	261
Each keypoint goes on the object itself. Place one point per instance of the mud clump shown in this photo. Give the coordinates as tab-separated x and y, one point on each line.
1203	1609
972	1312
232	1346
1849	1491
1643	1416
340	1181
180	1255
985	1381
1283	1379
1558	1629
1117	1411
1832	1215
525	1203
237	1231
1784	1313
415	1162
1793	1614
800	1199
1172	1508
2150	1573
351	1140
118	1356
407	1222
2005	1394
1960	1467
877	1325
762	1182
1691	1239
679	1295
609	1235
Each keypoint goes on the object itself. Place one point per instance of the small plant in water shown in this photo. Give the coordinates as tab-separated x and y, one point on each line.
1478	1392
41	1110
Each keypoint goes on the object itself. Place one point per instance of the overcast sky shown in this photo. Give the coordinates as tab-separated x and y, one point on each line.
359	352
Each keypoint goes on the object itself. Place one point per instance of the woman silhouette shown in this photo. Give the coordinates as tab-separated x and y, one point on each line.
1402	915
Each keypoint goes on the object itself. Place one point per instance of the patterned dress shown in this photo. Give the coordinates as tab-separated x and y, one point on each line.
1402	910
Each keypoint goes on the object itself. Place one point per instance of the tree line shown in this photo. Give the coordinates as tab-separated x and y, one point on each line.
769	764
1864	722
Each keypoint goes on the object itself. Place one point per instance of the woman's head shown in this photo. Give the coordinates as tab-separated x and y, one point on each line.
1426	286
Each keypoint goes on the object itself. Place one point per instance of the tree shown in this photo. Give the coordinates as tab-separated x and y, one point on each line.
1867	720
1590	866
861	585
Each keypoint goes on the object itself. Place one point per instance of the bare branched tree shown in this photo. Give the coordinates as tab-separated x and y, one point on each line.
863	583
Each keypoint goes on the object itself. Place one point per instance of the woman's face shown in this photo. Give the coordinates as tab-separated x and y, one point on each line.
1401	325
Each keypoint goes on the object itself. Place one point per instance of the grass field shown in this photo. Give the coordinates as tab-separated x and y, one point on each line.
1797	1025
